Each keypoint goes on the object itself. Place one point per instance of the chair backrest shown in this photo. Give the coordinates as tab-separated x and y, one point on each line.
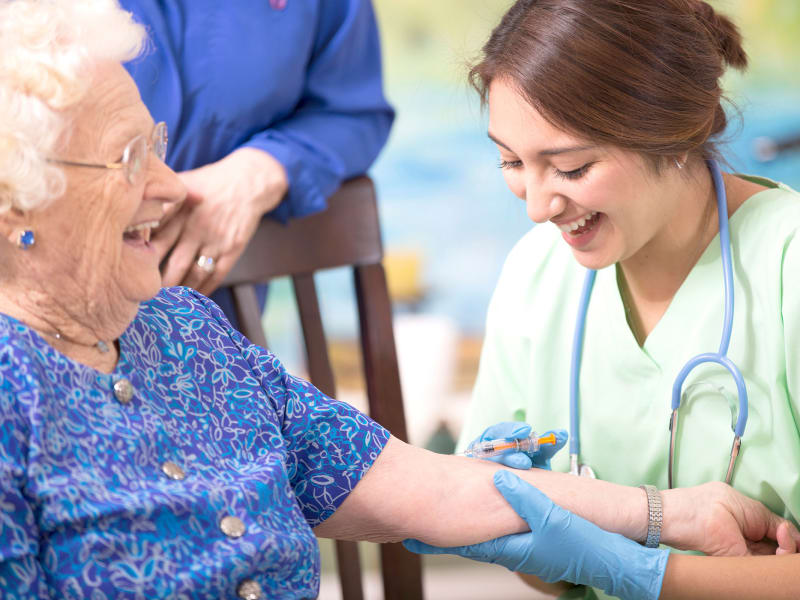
346	234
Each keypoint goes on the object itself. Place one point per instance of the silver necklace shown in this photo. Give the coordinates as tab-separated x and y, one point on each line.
99	345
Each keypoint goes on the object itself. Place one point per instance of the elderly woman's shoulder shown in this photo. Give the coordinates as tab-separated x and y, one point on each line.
183	314
20	351
183	301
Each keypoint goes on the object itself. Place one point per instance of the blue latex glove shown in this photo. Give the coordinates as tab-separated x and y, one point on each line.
522	460
562	546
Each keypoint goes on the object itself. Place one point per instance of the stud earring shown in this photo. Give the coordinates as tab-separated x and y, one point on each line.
678	164
26	239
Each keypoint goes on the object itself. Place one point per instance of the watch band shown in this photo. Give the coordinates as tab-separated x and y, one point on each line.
654	516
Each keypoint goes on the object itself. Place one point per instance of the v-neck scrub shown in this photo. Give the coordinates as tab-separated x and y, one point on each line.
625	390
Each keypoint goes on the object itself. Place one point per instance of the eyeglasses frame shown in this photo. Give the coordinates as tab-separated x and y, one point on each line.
125	162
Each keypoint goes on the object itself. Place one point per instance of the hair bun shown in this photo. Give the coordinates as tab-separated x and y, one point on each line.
724	33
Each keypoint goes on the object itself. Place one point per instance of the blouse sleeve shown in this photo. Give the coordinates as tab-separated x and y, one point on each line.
330	445
21	575
342	120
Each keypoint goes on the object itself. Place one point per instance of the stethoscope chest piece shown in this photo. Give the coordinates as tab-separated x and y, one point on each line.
580	469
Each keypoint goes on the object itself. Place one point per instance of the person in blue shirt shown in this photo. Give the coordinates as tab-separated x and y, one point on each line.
270	106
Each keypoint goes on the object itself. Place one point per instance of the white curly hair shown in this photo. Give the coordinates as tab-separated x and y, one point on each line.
46	50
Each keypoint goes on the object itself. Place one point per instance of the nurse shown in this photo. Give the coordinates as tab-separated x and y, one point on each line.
605	113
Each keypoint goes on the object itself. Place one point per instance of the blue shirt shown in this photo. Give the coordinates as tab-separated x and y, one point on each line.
299	79
88	510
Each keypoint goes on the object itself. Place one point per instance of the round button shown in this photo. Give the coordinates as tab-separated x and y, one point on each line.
123	390
249	590
173	471
233	527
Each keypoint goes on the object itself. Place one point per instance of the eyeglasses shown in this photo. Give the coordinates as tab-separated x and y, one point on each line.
134	157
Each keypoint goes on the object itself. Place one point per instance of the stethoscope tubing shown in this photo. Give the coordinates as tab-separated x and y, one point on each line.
575	363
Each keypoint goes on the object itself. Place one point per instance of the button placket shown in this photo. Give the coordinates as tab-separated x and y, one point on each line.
123	390
232	526
249	589
173	471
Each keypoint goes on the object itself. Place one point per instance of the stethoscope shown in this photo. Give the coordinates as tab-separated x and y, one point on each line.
720	357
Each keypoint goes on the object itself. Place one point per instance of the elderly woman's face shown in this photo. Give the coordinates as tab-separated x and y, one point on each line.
96	237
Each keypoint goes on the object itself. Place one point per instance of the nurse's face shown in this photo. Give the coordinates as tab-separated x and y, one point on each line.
609	204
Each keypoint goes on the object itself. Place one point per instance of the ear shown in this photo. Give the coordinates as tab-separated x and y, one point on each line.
12	223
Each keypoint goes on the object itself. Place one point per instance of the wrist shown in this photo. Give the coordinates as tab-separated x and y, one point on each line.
637	515
642	576
267	176
623	568
677	521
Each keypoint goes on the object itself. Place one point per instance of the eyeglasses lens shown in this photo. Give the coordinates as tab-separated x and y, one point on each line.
134	158
159	141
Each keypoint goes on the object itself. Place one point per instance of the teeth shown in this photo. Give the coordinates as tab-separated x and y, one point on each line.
577	224
140	226
144	228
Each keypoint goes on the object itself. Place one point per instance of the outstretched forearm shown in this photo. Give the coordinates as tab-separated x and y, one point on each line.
448	500
691	577
731	578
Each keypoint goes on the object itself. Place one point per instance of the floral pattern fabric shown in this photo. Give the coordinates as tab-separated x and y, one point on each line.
87	510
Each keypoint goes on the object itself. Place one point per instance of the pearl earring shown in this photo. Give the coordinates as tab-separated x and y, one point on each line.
26	239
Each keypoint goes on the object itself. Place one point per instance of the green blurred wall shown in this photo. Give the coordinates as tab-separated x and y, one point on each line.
431	41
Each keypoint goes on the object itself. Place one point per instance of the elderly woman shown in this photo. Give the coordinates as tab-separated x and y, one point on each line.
147	449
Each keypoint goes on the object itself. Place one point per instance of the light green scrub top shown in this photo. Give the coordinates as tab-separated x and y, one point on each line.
625	390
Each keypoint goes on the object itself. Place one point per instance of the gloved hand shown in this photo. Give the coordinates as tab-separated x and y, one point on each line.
522	460
562	546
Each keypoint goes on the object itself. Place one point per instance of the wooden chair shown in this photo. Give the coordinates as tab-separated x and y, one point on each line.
347	233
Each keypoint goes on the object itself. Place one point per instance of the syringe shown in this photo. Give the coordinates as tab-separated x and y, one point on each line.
489	448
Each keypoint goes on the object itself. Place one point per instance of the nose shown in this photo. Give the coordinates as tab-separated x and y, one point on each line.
542	202
163	184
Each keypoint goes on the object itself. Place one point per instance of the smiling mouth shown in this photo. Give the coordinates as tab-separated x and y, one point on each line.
139	233
580	226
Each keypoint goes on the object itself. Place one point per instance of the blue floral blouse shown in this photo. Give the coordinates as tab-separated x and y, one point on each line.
204	482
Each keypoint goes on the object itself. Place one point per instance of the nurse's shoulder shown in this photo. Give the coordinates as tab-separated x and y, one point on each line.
768	220
539	258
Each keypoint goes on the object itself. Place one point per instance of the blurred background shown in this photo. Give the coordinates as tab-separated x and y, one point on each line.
448	220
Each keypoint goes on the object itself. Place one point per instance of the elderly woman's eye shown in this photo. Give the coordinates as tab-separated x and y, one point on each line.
509	164
575	173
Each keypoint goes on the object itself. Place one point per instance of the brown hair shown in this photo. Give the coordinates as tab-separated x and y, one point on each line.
642	75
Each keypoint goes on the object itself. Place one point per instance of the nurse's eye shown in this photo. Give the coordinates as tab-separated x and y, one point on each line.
509	164
575	173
